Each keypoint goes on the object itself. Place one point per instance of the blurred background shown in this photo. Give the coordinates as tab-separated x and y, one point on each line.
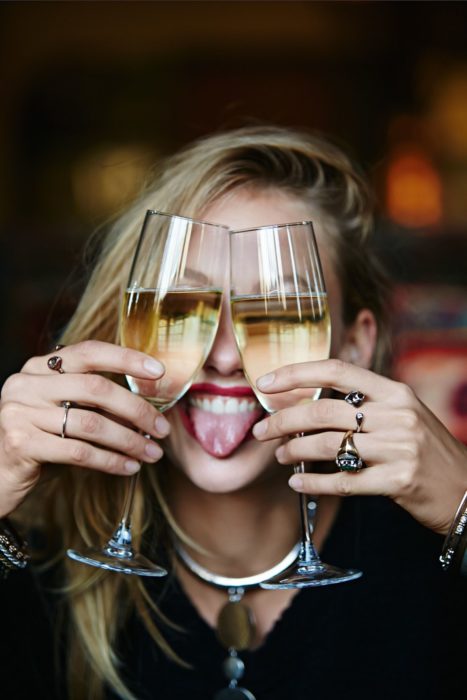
94	93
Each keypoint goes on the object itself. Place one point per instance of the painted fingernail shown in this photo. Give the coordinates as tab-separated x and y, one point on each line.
265	380
153	367
280	453
260	428
152	450
132	466
296	482
162	426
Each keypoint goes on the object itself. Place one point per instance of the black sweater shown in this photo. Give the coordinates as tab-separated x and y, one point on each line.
399	632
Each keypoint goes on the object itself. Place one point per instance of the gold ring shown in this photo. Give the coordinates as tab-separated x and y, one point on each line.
348	457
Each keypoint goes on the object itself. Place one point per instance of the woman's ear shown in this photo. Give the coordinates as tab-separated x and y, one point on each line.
360	340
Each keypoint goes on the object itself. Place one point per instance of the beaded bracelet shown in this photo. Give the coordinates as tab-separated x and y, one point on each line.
454	540
13	554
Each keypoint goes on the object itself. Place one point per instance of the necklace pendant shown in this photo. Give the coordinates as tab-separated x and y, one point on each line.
235	624
234	668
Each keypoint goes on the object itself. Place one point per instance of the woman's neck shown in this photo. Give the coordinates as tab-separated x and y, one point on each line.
244	532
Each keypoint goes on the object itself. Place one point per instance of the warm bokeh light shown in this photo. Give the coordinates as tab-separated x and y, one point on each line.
413	190
107	178
448	115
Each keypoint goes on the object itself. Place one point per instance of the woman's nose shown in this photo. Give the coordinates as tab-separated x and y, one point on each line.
224	357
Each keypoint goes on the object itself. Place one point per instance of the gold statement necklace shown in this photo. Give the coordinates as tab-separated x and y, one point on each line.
235	625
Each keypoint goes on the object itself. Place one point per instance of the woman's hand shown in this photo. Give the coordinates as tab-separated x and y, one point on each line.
410	456
103	426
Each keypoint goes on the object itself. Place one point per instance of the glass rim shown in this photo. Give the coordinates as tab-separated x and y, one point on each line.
264	226
187	218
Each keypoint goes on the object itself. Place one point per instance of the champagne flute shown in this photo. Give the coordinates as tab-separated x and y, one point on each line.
280	316
170	310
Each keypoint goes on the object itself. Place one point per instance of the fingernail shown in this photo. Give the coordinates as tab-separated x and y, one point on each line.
279	453
296	482
153	450
260	428
153	367
132	466
265	380
162	426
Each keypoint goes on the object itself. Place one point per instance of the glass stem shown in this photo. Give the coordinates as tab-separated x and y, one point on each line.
120	544
308	556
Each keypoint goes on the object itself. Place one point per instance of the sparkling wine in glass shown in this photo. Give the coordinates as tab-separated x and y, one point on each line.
170	310
280	316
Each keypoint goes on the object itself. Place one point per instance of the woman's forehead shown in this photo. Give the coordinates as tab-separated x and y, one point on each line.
248	207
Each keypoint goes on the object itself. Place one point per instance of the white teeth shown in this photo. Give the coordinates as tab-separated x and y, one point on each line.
231	406
217	406
220	405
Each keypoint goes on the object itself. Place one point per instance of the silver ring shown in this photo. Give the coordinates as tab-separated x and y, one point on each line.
359	417
66	405
55	363
348	457
355	398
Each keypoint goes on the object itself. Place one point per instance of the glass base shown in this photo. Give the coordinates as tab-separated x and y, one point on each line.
135	564
309	576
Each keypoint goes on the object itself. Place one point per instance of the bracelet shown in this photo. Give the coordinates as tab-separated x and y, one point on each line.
13	549
454	536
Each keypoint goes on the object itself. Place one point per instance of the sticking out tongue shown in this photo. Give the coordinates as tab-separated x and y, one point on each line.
221	434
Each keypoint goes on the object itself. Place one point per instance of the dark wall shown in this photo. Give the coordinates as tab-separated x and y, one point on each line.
93	93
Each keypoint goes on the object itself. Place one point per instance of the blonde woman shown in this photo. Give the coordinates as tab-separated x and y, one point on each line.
78	632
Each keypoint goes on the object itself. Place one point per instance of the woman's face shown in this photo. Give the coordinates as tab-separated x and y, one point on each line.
211	441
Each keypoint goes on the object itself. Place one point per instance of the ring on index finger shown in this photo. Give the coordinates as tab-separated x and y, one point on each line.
55	363
355	398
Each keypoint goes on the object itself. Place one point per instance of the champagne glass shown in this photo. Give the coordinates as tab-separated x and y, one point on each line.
280	316
170	310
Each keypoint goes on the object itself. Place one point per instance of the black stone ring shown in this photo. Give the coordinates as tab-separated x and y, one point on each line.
355	398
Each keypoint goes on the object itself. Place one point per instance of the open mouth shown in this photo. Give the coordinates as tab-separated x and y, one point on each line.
220	418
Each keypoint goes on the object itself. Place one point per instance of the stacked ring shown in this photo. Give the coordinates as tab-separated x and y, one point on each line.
348	457
355	398
66	405
55	363
359	417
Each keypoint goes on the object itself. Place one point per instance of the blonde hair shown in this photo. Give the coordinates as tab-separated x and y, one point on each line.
83	505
